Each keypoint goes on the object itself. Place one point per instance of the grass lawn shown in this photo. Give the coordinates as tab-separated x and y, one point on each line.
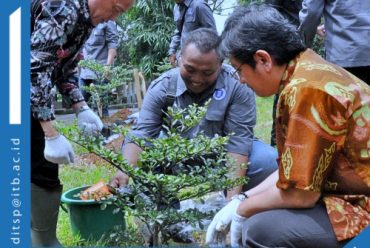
79	175
264	118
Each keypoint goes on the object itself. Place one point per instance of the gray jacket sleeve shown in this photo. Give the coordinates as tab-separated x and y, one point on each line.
176	37
201	17
240	120
112	34
150	119
204	12
310	16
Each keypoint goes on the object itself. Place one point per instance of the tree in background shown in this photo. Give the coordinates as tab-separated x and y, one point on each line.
147	29
146	32
244	2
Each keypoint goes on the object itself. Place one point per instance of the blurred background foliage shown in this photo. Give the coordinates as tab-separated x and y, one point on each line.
146	31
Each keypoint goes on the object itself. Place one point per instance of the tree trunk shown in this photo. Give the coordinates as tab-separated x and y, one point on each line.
155	235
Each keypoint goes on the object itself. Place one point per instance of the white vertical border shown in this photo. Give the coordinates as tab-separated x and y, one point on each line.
15	67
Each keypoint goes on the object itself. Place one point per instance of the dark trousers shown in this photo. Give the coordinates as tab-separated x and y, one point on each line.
43	172
273	129
362	73
301	228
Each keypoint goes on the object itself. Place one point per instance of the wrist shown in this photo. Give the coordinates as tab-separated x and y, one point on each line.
241	196
52	137
49	130
82	109
238	218
78	105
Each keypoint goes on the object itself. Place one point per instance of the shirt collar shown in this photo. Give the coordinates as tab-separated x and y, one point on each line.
288	73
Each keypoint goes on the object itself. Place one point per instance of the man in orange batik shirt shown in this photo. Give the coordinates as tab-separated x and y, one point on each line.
319	197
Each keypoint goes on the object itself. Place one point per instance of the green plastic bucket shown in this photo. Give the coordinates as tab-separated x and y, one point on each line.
88	219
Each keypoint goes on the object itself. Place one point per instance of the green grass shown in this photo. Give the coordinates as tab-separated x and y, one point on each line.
264	118
76	176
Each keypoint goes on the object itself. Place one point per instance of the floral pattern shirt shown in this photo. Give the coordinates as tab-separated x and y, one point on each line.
59	30
323	127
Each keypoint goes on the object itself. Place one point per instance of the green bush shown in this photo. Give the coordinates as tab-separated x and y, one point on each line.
170	169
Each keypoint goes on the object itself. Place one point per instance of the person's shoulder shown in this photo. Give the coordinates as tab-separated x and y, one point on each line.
68	9
229	75
199	4
232	80
161	81
64	7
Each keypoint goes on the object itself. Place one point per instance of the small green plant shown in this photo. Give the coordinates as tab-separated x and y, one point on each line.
113	76
170	169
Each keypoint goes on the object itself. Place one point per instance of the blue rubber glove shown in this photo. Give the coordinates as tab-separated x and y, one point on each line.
89	122
58	150
236	230
220	225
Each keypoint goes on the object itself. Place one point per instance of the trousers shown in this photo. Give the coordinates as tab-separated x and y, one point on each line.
43	173
262	163
301	228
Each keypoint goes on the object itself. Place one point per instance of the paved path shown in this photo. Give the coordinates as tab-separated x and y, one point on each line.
69	118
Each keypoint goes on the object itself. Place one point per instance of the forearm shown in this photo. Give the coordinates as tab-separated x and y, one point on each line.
48	128
131	153
269	182
76	106
112	53
236	171
275	198
310	16
175	43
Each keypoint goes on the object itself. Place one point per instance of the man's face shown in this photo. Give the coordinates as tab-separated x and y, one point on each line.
199	71
263	83
105	10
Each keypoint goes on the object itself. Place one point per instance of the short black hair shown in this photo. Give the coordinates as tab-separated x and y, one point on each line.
260	27
205	40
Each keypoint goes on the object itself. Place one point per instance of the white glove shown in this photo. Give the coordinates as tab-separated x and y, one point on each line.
58	150
89	122
236	230
219	227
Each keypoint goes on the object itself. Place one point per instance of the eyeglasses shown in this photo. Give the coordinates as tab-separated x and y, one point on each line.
237	71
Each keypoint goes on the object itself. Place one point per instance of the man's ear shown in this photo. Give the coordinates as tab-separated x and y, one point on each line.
263	59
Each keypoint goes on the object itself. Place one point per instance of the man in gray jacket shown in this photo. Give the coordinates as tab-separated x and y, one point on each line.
202	76
347	32
188	15
101	47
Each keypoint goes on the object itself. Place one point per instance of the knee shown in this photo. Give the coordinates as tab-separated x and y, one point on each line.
258	232
264	156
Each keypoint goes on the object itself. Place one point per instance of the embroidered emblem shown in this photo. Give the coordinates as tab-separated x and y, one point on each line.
219	94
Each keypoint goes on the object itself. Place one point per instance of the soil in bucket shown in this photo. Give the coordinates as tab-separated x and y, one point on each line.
87	217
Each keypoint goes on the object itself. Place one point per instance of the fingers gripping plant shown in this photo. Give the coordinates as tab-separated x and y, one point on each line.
113	76
170	169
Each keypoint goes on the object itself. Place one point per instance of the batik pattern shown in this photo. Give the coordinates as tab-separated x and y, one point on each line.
323	127
59	31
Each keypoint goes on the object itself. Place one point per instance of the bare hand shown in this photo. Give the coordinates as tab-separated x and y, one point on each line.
321	30
119	180
173	60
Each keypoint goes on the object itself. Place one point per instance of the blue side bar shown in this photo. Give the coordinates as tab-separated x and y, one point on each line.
15	138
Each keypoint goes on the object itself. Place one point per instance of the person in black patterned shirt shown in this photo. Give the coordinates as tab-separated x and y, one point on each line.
59	28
